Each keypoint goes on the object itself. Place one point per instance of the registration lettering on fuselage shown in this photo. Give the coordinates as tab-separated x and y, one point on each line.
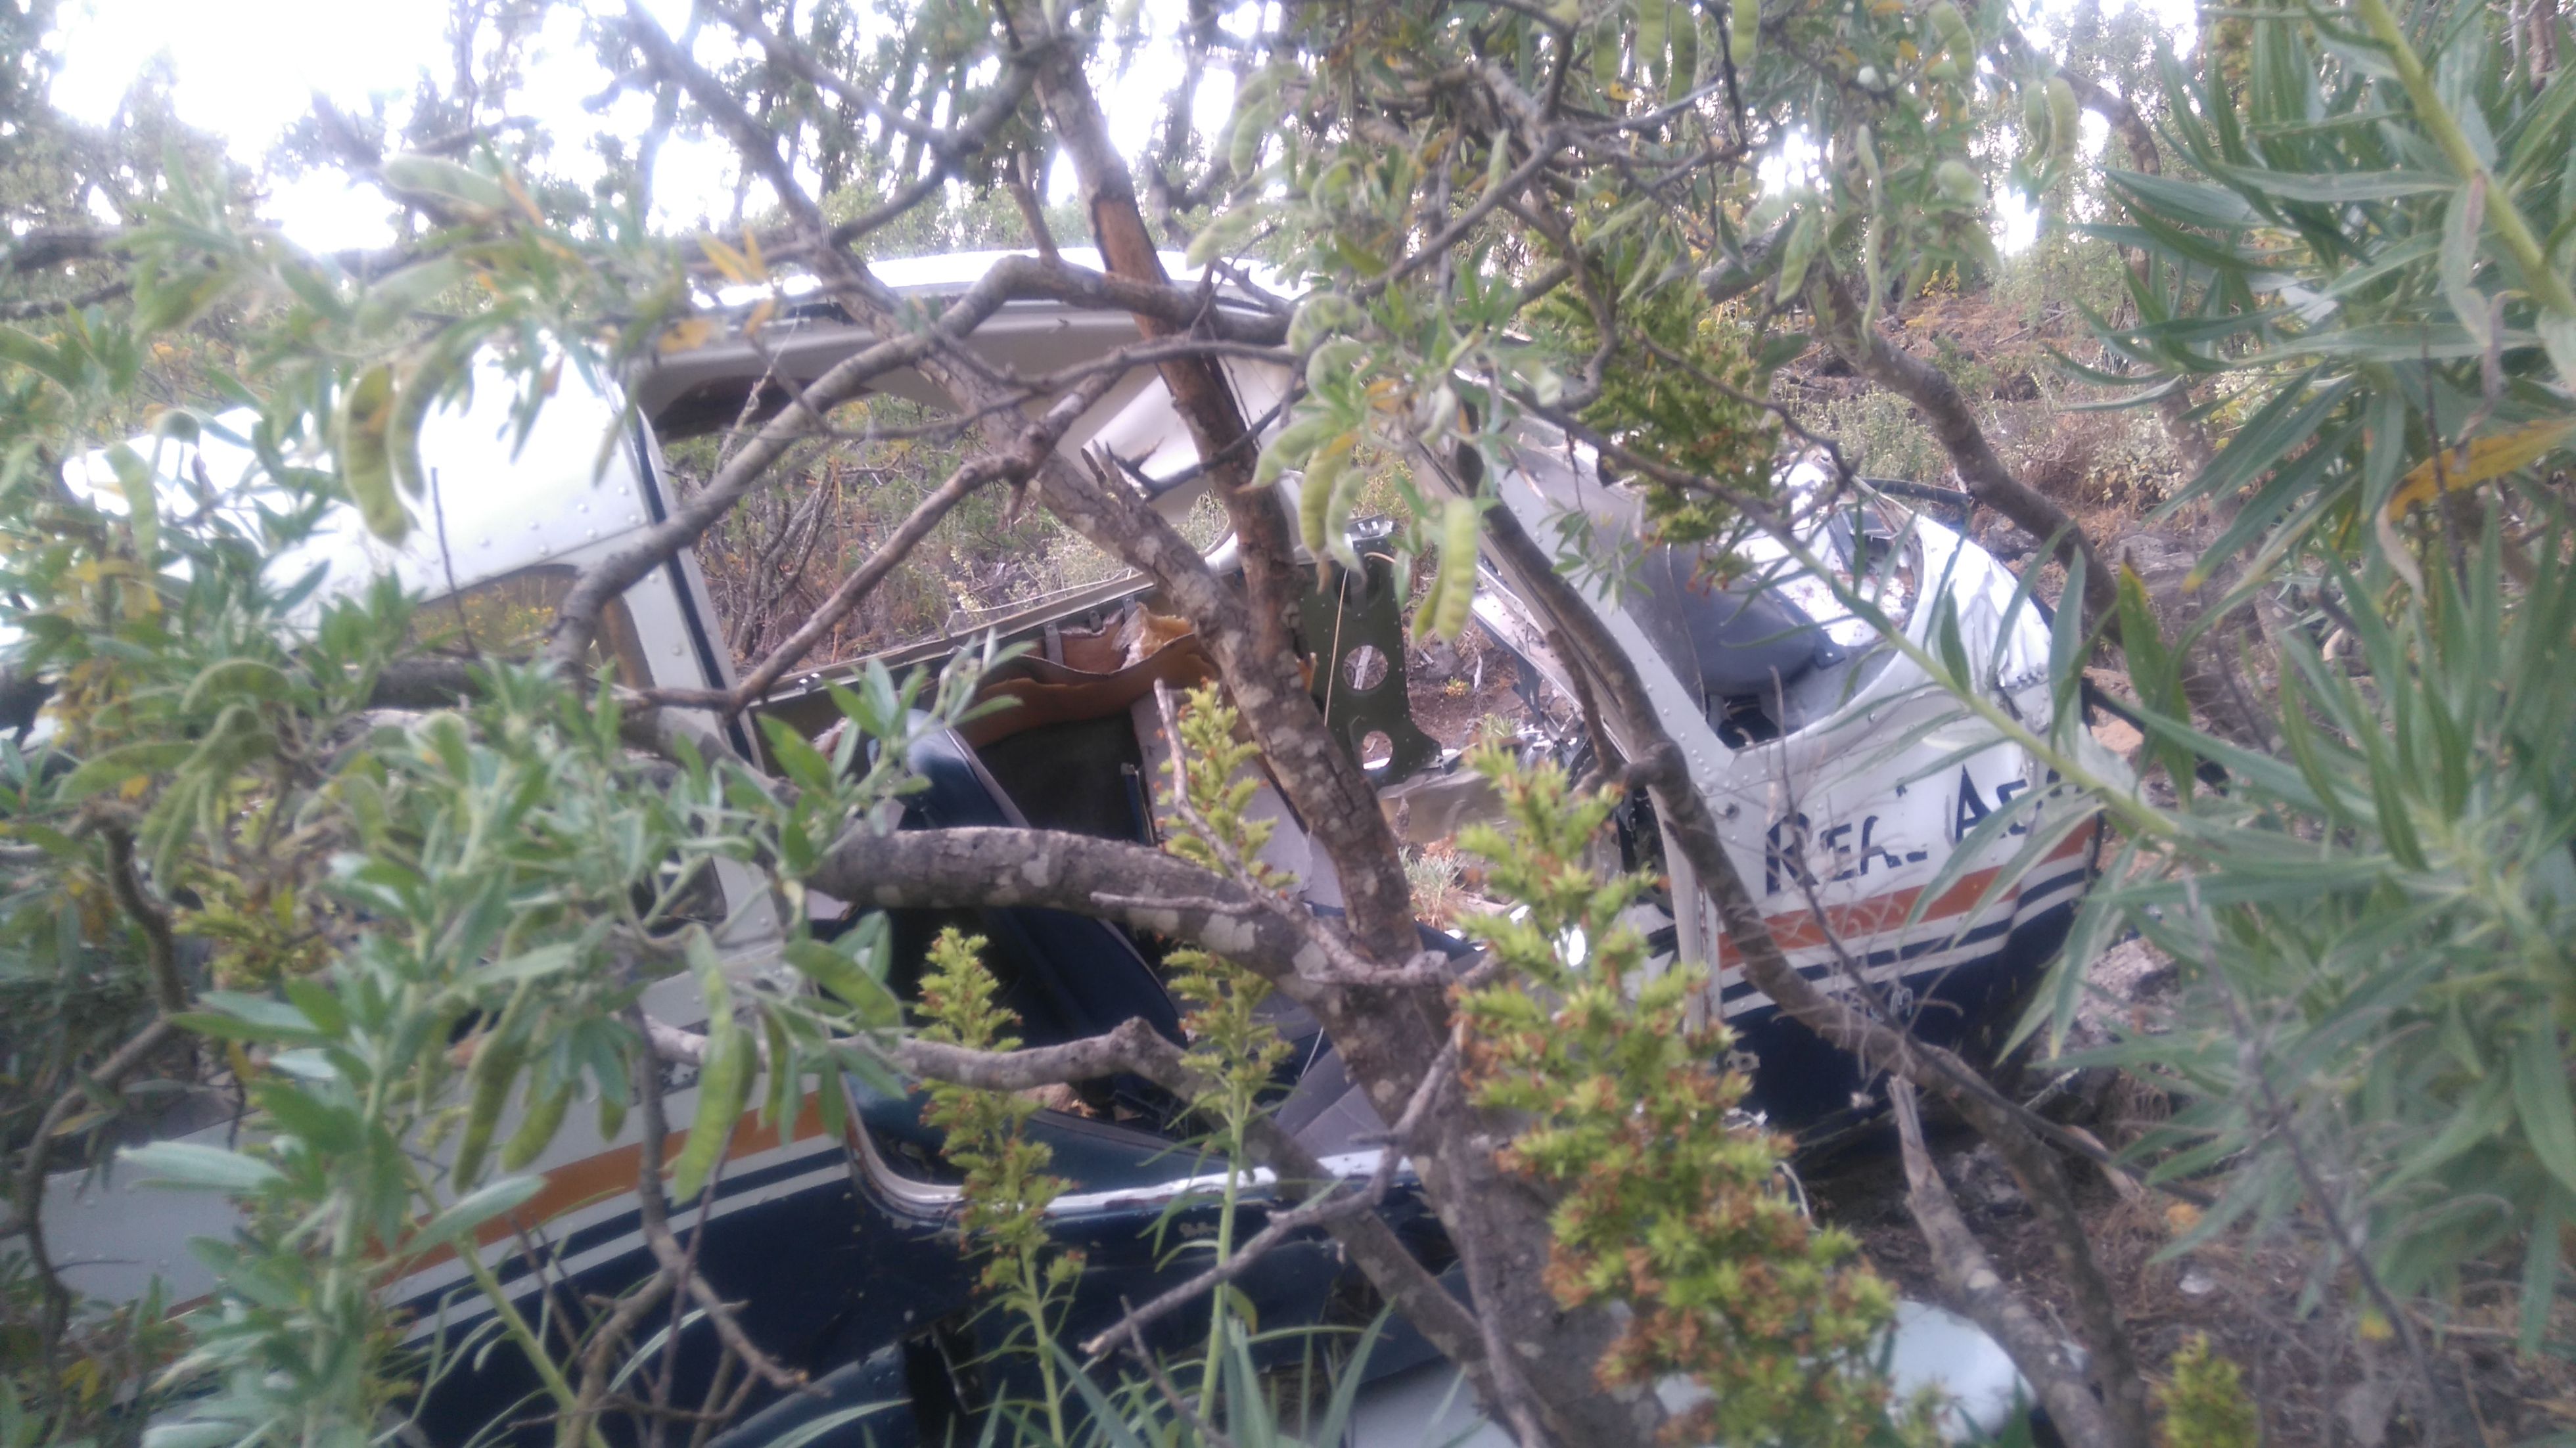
1795	847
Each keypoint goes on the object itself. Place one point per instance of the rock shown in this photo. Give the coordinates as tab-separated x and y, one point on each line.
2118	737
1984	1185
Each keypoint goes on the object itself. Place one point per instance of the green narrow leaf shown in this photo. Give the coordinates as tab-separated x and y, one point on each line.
391	301
2540	1268
818	1428
2540	1099
837	973
481	1205
2460	231
118	765
142	498
724	1078
2396	822
255	677
366	461
2155	674
325	1125
795	756
1796	253
1685	53
2188	202
2558	336
195	1433
2336	188
211	1168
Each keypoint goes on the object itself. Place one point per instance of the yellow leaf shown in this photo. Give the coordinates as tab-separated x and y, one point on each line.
760	315
751	255
82	1378
2374	1326
687	334
2488	457
727	260
519	194
78	1123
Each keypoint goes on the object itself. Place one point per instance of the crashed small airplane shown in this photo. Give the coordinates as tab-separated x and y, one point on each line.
1856	796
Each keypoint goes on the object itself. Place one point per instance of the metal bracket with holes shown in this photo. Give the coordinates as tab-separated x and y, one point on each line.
1354	630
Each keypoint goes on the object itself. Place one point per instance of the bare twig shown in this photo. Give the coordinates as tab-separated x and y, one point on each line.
160	946
22	311
1659	762
1321	1209
1163	1384
1606	759
1012	467
598	1359
1954	424
1982	1294
678	1262
31	1172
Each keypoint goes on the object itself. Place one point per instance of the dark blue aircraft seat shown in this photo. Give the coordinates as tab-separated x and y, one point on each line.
1742	646
1068	976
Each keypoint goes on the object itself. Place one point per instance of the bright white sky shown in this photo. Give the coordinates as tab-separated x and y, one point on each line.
247	69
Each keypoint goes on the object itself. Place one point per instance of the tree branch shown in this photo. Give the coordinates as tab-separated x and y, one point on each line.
1982	1294
55	246
1946	411
1321	1209
1133	1048
1012	467
31	1172
1659	762
677	1262
23	311
1320	778
160	946
1080	873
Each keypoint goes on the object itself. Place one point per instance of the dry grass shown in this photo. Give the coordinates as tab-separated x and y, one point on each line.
775	557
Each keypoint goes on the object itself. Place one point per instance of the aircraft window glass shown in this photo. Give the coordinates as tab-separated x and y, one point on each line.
507	617
774	558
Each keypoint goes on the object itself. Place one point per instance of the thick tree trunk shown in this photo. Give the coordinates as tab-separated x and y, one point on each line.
1386	1037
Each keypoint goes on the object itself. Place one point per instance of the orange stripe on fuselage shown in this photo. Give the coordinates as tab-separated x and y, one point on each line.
1795	930
577	1184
